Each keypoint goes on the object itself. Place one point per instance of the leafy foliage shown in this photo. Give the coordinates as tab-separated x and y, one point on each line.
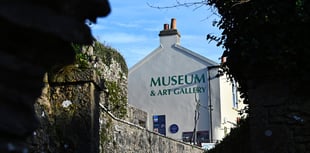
111	67
81	58
117	100
106	53
265	39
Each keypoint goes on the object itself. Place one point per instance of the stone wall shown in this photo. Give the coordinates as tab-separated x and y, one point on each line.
136	116
118	135
74	120
68	112
84	110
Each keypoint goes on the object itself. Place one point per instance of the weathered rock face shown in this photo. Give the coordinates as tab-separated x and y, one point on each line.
121	136
136	116
69	112
83	110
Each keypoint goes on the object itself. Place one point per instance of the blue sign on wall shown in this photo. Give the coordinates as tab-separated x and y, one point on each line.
174	128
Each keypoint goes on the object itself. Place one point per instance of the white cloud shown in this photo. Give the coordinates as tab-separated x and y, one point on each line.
127	25
132	28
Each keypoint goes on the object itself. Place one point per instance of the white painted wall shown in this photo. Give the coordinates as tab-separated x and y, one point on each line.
179	109
169	60
172	60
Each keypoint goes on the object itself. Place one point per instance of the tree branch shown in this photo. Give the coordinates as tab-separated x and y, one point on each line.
181	4
240	2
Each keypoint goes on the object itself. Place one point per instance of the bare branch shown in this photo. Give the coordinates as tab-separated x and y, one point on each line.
198	4
240	2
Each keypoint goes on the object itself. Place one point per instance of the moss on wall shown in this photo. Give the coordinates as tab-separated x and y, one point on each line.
117	101
65	108
106	132
107	53
110	67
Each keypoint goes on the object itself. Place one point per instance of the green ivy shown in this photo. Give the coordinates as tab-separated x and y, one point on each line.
80	58
104	131
107	53
265	39
117	100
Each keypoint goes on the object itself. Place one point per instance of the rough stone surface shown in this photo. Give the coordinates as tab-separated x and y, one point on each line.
80	113
68	112
136	116
122	136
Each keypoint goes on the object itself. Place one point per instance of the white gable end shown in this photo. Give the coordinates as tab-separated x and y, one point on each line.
172	85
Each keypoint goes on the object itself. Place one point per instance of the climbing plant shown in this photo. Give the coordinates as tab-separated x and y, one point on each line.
81	58
262	39
265	39
110	67
117	100
114	71
107	53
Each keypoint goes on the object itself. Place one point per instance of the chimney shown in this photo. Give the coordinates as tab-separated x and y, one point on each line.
173	23
166	26
170	36
224	57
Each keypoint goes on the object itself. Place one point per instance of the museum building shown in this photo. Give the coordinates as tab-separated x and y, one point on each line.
184	94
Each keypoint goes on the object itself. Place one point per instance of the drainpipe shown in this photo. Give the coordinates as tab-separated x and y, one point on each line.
210	99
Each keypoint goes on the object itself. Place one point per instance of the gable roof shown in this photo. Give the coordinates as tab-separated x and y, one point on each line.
178	48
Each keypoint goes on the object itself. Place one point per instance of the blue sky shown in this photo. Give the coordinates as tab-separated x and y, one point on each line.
133	26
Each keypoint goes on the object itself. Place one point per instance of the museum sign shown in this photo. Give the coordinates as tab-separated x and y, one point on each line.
178	84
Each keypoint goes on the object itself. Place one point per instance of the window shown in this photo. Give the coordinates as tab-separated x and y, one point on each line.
187	136
234	94
202	137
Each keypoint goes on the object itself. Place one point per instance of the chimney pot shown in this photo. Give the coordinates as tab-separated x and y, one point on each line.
173	23
166	26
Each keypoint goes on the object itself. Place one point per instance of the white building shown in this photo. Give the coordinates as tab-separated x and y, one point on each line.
182	92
